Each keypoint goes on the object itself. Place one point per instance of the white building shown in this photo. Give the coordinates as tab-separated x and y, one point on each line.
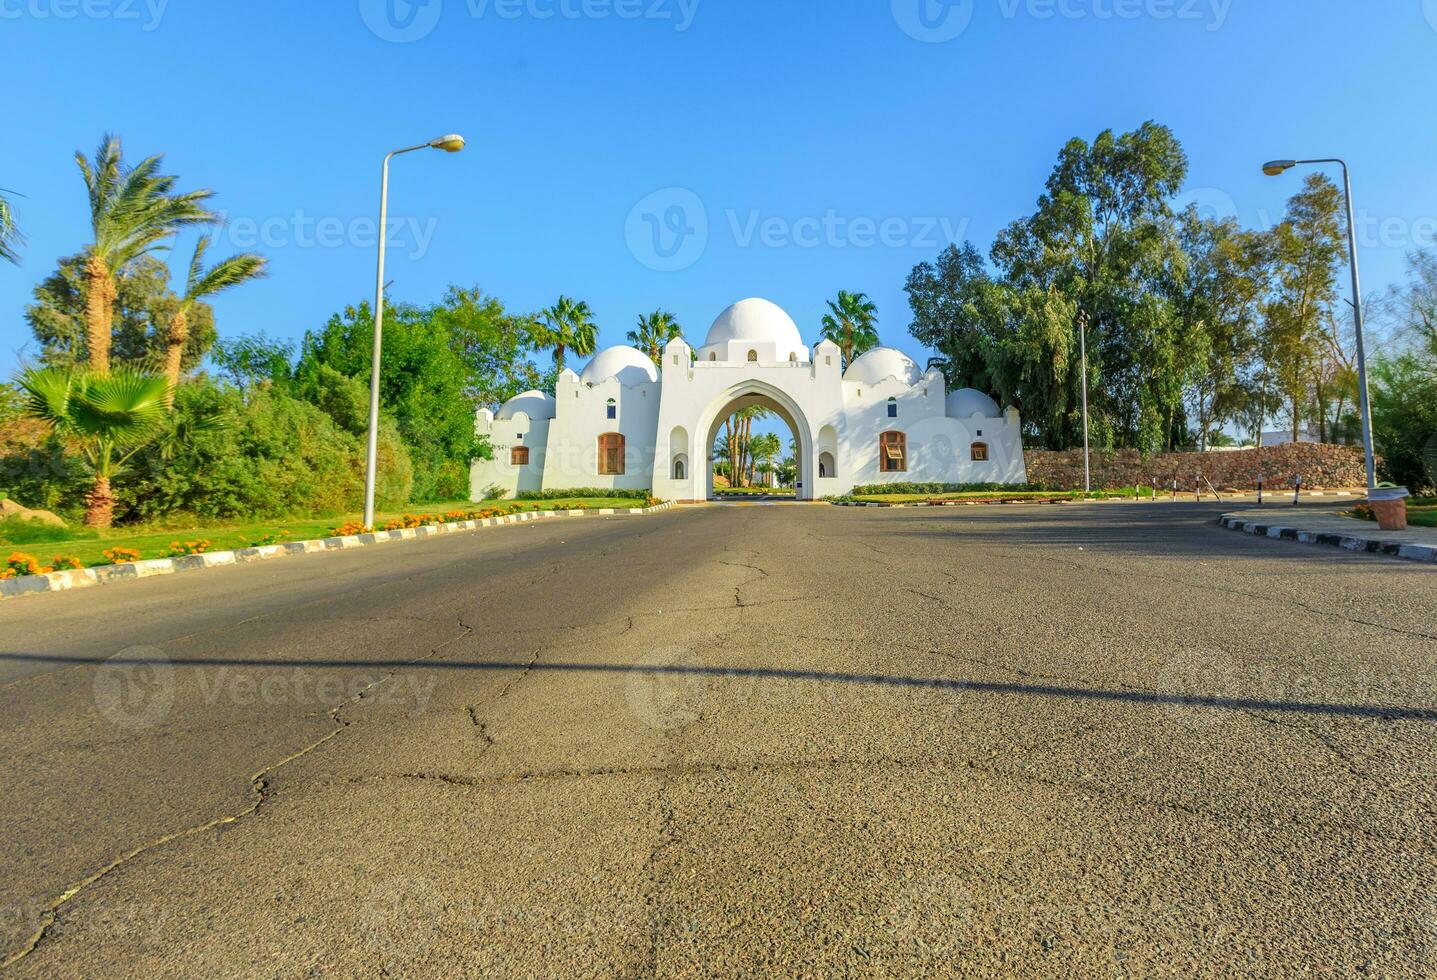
625	423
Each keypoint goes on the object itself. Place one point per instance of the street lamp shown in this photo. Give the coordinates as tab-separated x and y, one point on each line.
450	143
1274	168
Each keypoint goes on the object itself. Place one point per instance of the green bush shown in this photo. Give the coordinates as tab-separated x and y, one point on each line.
275	455
32	530
44	475
581	492
936	488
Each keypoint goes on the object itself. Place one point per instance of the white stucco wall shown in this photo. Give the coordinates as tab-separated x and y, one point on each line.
678	416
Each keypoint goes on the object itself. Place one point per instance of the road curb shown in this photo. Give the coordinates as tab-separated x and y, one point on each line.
1348	542
81	578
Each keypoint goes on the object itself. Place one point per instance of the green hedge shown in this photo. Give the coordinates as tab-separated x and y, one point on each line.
872	488
565	494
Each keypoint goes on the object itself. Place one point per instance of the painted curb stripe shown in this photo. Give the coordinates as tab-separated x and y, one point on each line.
79	578
1348	542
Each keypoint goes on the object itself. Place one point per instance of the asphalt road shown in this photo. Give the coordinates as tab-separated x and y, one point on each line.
1096	740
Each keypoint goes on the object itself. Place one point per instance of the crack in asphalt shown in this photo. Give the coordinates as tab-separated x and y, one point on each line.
259	786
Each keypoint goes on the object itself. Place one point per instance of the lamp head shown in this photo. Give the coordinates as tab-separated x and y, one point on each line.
451	143
1274	168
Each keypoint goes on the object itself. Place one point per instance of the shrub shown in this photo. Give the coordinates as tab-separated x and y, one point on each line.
923	488
349	529
31	530
278	456
62	561
579	492
119	556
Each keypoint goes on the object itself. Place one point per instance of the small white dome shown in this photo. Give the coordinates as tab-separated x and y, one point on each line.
968	402
756	321
535	404
883	363
630	365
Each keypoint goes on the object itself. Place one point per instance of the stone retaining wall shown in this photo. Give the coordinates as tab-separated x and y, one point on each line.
1320	466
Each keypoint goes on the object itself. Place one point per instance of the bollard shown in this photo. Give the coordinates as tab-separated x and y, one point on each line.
1259	491
1296	488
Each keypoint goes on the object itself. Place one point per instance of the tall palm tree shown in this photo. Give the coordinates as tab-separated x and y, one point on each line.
133	210
10	236
852	324
654	332
202	282
111	416
566	326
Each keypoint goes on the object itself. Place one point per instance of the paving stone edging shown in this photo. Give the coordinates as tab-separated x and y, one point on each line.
1350	542
80	578
1062	500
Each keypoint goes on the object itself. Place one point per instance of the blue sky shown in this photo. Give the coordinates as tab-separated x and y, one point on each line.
824	145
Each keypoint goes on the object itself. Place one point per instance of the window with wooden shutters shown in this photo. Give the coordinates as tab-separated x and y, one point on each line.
611	454
519	456
980	452
893	452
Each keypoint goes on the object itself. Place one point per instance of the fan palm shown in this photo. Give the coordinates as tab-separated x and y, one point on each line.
10	237
566	326
654	332
202	282
852	324
133	210
111	416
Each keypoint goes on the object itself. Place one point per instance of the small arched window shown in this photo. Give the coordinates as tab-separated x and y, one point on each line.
893	408
893	452
979	452
613	409
611	454
680	469
519	456
753	357
792	357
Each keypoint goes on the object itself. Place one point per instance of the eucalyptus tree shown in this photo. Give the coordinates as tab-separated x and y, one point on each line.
133	212
653	333
1308	253
200	283
567	326
852	324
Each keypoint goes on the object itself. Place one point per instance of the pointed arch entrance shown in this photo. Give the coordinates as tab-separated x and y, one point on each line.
748	394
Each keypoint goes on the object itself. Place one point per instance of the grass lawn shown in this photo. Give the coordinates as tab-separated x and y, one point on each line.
154	540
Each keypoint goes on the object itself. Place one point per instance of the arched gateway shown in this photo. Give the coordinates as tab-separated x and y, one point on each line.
626	423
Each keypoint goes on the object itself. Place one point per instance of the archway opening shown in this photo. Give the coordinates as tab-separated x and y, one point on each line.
758	448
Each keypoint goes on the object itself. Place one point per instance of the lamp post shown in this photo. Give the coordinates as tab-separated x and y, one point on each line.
1274	168
451	143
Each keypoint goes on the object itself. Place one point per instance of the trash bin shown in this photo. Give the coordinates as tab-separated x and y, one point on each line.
1389	506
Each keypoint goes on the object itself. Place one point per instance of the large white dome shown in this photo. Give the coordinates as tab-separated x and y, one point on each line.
756	321
535	404
883	363
968	402
630	365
